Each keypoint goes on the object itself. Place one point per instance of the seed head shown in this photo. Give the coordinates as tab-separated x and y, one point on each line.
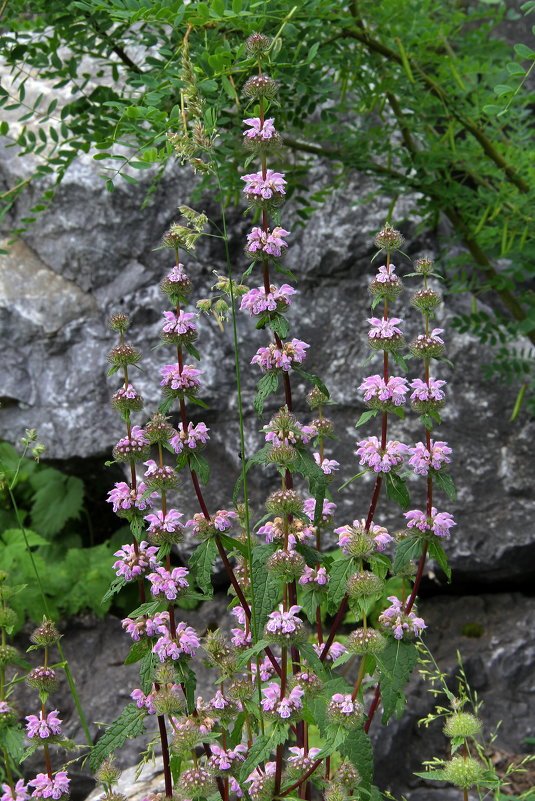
257	43
364	584
285	502
119	322
462	724
8	617
424	266
366	641
42	678
45	634
123	355
316	398
286	565
8	655
463	772
159	430
260	86
108	773
426	300
388	239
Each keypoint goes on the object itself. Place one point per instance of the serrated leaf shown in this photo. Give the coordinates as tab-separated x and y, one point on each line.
267	385
262	748
309	601
146	671
57	498
365	416
406	550
307	651
12	740
115	587
200	464
137	651
340	572
265	585
358	749
149	608
280	326
165	405
434	775
436	551
310	555
396	490
396	663
232	544
200	563
130	723
380	564
445	483
250	652
318	383
399	360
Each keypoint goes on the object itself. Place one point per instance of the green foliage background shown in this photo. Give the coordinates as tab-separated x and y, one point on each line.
423	95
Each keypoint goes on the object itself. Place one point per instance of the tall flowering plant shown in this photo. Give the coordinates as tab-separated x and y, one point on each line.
276	686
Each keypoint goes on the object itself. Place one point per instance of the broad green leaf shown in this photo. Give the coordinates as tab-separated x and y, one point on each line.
12	739
396	490
365	416
262	749
130	723
340	572
267	385
445	483
406	550
137	651
200	563
266	586
57	498
436	551
396	663
358	749
201	466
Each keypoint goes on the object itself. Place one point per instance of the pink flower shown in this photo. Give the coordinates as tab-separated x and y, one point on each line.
336	649
268	242
394	390
170	522
328	466
259	130
144	701
185	380
422	459
45	787
132	565
274	358
439	522
224	760
394	618
20	793
257	185
377	459
386	274
425	392
191	438
181	323
125	499
318	576
43	726
384	329
328	510
170	584
285	623
357	540
223	519
283	707
257	301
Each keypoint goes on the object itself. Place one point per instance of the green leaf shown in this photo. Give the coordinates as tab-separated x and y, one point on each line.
137	651
200	563
201	466
57	498
265	585
245	656
232	544
523	51
115	587
340	572
436	551
150	608
165	405
396	663
396	490
309	601
146	671
380	564
353	478
267	385
12	739
399	360
130	723
406	550
262	748
308	652
313	380
445	483
358	749
279	325
434	775
365	416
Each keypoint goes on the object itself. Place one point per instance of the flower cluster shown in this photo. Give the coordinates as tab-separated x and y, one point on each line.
399	622
169	583
258	301
439	523
423	459
43	725
286	707
192	437
378	459
275	358
358	540
266	244
381	394
135	562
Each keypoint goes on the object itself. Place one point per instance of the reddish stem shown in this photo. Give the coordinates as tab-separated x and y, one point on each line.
165	757
373	707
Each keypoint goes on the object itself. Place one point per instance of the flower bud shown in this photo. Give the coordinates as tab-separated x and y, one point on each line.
162	479
311	684
282	455
123	355
316	398
323	426
260	86
426	300
42	678
8	715
347	776
463	772
187	736
388	239
8	617
285	502
8	655
462	724
168	700
196	782
257	43
424	266
286	565
241	690
364	585
159	430
108	773
119	322
366	641
127	398
45	634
